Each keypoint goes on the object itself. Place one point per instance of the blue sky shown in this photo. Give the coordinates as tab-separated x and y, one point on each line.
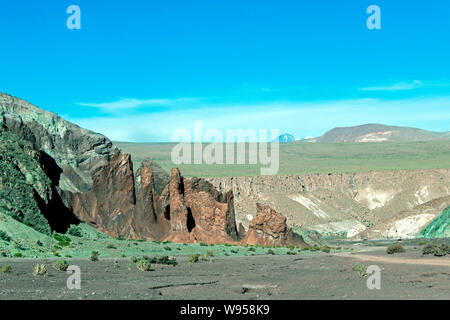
138	70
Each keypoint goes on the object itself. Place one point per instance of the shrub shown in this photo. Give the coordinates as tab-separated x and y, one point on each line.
18	255
395	248
270	251
75	231
360	269
251	249
291	253
325	249
438	251
61	265
116	264
163	260
39	243
94	256
203	244
133	259
209	253
234	251
6	269
4	236
63	241
194	257
227	245
168	248
111	246
143	265
40	270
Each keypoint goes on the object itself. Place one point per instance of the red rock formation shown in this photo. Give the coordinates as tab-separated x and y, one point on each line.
270	228
197	213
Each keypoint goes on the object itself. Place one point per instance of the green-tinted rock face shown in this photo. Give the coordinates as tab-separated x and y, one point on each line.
439	228
23	183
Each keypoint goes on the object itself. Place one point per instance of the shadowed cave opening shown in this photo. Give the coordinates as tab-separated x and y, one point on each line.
190	221
167	212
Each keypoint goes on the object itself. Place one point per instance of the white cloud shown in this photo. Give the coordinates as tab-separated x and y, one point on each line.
127	103
297	118
399	86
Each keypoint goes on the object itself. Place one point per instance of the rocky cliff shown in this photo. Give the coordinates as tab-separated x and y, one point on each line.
61	174
337	203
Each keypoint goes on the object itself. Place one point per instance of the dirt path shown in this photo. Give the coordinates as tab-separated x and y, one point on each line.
430	262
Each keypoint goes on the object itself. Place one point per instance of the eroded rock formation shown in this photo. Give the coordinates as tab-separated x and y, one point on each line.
270	228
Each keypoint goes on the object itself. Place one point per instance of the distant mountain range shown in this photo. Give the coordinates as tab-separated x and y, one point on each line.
379	133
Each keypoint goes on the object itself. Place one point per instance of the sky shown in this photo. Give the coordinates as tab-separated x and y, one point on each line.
139	70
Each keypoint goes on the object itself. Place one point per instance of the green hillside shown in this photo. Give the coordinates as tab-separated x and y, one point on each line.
438	228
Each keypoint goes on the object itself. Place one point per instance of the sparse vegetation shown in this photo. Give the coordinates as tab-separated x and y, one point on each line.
94	256
270	251
63	241
6	269
61	265
4	236
194	258
40	270
75	231
437	250
360	269
203	244
143	264
209	254
133	259
395	248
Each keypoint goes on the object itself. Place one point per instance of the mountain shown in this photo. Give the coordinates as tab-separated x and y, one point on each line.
379	133
285	138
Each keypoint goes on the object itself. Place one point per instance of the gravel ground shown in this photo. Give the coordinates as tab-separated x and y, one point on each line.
303	276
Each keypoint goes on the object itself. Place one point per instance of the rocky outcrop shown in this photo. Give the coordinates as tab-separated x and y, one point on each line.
197	212
270	228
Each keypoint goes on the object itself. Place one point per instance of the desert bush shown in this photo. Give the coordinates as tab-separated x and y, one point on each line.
360	269
4	236
6	269
395	248
209	253
227	245
291	253
203	244
94	256
163	260
270	251
143	265
437	250
63	241
234	251
39	243
116	264
18	255
75	231
111	246
251	249
133	259
40	270
168	248
194	258
61	265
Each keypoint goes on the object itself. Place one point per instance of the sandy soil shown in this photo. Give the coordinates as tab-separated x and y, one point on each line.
303	276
